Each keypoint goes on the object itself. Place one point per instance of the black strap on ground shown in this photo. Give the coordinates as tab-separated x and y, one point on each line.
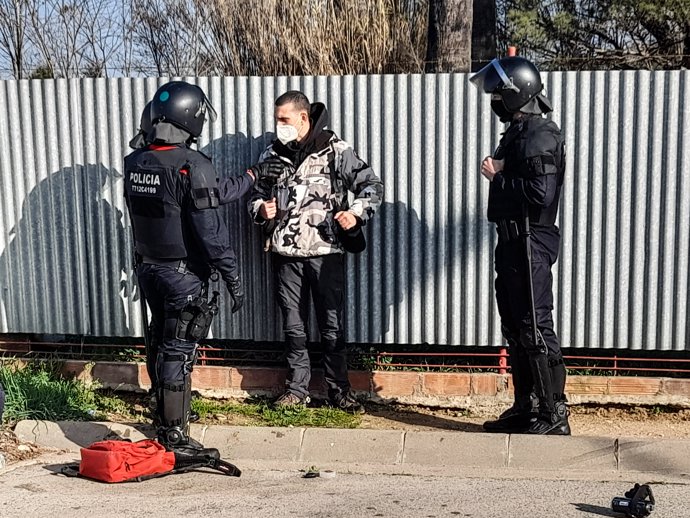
204	461
224	467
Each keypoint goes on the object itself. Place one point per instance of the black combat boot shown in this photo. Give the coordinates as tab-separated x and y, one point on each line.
549	380
179	442
517	419
553	422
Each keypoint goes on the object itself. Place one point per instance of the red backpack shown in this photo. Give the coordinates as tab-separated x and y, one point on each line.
121	461
117	461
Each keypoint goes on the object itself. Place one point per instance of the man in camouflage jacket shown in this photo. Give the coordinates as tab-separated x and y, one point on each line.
306	217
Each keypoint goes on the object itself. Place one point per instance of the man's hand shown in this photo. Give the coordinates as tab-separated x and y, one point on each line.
491	166
236	293
269	169
346	219
268	209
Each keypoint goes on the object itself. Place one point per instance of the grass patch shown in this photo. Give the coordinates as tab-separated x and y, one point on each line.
260	412
38	390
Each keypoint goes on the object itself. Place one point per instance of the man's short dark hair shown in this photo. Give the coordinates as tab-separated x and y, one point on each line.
297	98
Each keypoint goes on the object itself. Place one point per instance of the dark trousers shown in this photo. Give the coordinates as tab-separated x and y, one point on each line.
320	279
167	291
512	297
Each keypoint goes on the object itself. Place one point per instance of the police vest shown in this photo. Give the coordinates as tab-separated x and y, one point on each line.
530	149
160	185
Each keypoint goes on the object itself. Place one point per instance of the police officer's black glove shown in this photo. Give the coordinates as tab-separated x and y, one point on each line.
270	170
236	292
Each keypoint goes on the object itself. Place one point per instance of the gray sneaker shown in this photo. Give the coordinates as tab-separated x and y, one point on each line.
290	399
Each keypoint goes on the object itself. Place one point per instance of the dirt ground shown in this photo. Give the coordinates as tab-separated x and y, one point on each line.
602	421
609	421
14	450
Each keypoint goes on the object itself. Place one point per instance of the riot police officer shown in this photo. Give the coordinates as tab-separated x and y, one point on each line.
229	188
526	174
180	238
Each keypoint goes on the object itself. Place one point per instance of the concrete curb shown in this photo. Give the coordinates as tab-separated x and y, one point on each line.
393	451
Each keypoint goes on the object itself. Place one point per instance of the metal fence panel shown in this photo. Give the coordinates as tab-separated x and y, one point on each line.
427	274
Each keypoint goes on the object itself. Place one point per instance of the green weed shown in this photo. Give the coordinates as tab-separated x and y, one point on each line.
260	412
38	390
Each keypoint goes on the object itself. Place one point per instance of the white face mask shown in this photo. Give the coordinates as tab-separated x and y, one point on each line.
286	133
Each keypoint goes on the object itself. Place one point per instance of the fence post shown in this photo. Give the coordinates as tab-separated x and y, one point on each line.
503	361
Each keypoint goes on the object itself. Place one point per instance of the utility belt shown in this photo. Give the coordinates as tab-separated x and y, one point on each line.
508	230
179	265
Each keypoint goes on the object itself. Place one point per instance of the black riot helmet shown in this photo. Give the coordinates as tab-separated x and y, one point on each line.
143	136
182	104
145	125
515	79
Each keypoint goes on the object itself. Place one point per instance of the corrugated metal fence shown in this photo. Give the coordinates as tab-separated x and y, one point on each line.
427	275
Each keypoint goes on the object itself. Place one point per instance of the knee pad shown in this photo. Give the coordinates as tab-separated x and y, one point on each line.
533	345
511	336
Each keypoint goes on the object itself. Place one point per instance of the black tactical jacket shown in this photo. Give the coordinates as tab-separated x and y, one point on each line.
533	150
173	196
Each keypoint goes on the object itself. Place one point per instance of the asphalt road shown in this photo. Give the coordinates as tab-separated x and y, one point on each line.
36	491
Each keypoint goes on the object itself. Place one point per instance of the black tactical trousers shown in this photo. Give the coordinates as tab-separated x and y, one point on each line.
320	279
512	297
512	284
167	291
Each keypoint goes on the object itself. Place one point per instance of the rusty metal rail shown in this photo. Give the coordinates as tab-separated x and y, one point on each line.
573	362
271	354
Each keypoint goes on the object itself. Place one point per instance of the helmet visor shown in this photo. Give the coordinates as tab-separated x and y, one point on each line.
206	107
493	78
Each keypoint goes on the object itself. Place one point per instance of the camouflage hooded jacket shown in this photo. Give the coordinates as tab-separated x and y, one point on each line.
312	189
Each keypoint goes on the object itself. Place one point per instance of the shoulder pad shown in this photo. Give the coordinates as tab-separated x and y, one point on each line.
204	182
204	155
543	138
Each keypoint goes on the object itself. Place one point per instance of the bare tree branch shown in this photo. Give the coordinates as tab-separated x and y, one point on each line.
13	21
